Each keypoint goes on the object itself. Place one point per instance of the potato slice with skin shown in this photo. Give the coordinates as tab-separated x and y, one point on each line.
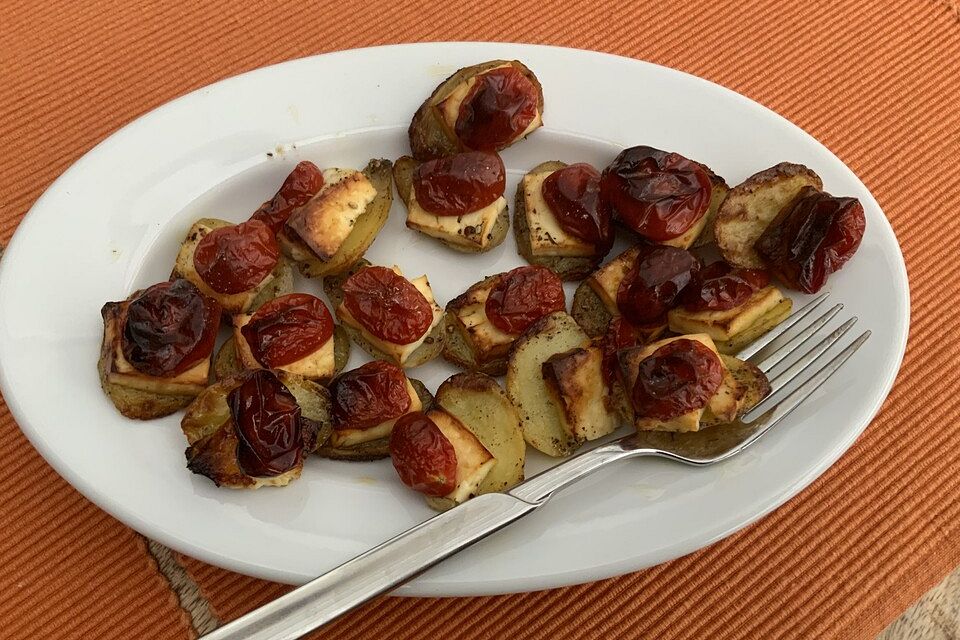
430	135
752	205
483	407
539	413
364	232
403	177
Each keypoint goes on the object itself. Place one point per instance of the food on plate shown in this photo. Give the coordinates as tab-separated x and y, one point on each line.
478	402
482	323
333	230
238	265
254	429
435	454
544	427
733	306
811	238
641	284
684	384
457	199
293	333
484	107
365	404
751	206
156	349
297	189
661	195
387	315
560	221
589	405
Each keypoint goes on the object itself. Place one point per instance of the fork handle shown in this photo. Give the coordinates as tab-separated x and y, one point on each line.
376	571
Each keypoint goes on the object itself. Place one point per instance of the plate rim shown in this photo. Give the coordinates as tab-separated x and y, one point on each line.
487	587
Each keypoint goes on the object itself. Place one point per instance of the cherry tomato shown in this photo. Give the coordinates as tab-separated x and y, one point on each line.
522	296
573	195
459	184
811	238
369	395
267	418
304	182
719	287
168	328
499	107
658	194
237	258
652	285
287	329
387	305
423	457
679	377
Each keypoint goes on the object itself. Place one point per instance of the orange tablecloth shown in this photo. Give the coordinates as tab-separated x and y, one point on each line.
878	83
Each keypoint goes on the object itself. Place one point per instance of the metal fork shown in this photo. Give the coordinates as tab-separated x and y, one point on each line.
407	555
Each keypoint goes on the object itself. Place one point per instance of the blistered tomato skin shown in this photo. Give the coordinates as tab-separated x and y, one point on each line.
287	329
459	184
720	287
499	107
267	420
168	328
653	284
679	377
522	296
237	258
369	395
811	238
387	305
573	195
658	194
423	457
304	182
620	335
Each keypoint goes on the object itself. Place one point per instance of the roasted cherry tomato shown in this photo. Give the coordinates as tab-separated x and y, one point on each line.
652	285
304	182
387	305
237	258
287	329
811	238
423	457
658	194
267	419
369	395
620	335
679	377
573	195
499	107
522	296
169	328
459	184
719	287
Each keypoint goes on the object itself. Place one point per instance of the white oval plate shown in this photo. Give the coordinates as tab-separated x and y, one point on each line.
113	221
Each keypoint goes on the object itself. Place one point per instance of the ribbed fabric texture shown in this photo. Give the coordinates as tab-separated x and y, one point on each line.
878	83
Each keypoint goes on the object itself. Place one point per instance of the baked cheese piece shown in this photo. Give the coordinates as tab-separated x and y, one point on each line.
346	438
318	365
733	329
575	380
547	237
474	461
326	220
473	230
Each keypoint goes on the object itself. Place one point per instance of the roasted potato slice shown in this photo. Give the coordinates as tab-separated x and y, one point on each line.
226	363
540	416
403	170
752	205
364	232
375	449
477	401
212	438
430	134
568	267
735	328
464	346
753	383
280	281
